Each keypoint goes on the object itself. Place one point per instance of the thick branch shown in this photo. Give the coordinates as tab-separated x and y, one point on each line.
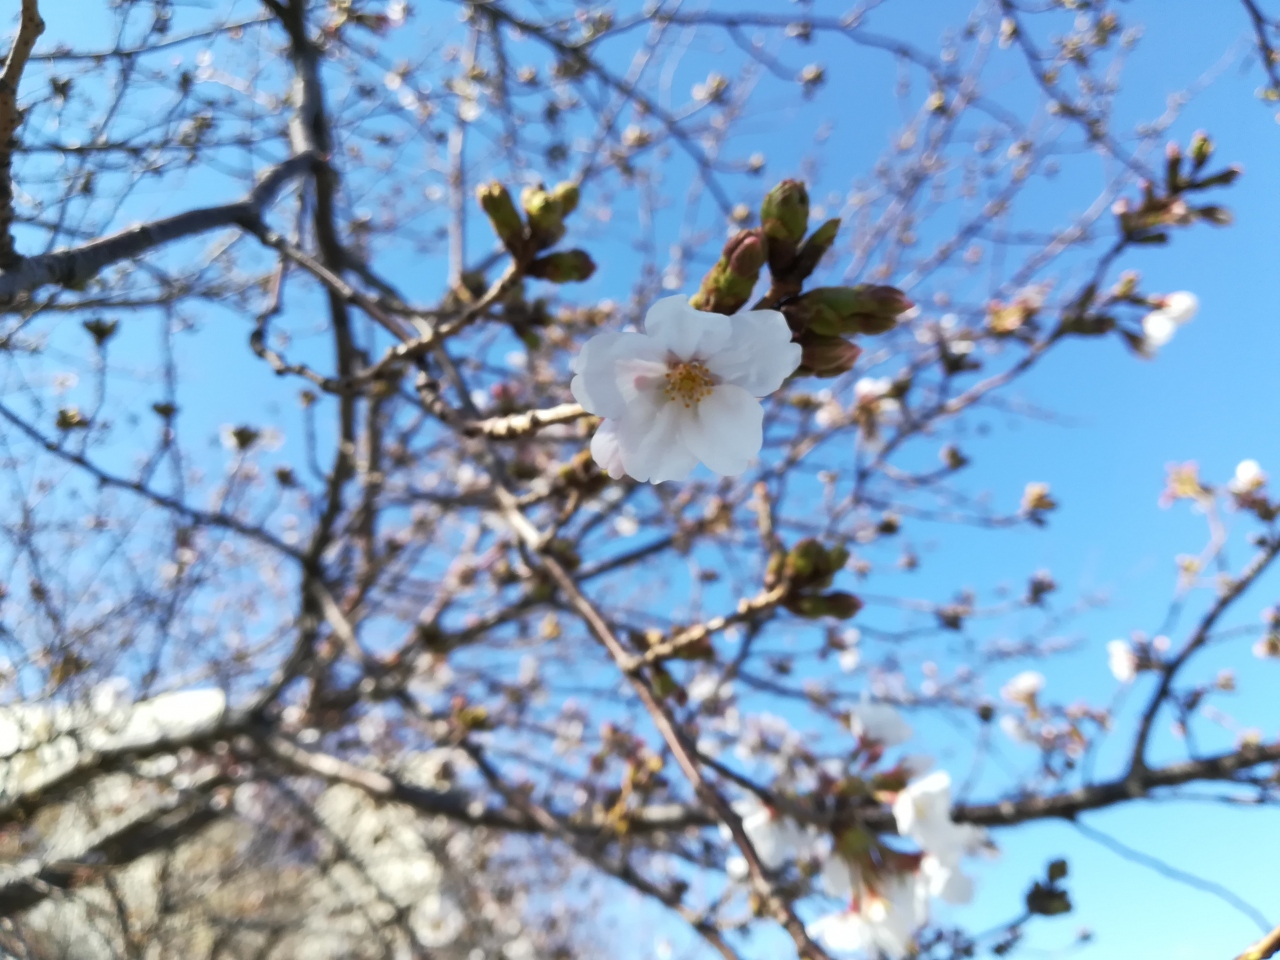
1267	947
76	266
1223	766
518	425
121	842
30	26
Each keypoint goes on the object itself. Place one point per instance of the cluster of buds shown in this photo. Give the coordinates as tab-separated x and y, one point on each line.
1182	482
1145	222
822	319
1018	315
1048	898
784	218
1039	586
843	311
541	227
807	571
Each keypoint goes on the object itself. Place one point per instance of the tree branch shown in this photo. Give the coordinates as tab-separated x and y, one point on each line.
1222	766
1267	947
1137	763
120	842
30	26
77	265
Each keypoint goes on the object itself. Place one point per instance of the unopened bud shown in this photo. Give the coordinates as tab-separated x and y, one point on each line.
810	564
1173	167
1127	284
501	211
728	285
101	330
953	457
805	560
868	309
566	194
785	211
568	266
1036	498
1218	216
1201	148
546	219
1225	178
813	250
827	356
835	604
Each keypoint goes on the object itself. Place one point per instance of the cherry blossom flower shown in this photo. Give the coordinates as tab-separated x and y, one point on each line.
1122	660
686	390
1159	326
883	920
1249	478
776	839
944	880
837	877
111	696
1268	647
879	723
923	812
1023	688
1016	730
871	390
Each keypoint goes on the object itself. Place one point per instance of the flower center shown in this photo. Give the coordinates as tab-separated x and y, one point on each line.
688	382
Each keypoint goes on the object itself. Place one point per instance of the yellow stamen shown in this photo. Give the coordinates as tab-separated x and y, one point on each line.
688	382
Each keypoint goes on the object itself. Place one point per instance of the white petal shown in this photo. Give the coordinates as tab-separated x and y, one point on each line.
1122	660
879	722
1023	686
638	377
606	449
652	446
842	932
678	328
759	354
596	385
1158	328
725	431
837	878
1181	306
946	881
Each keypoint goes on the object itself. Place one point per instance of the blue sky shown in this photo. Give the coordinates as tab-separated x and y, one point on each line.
1210	396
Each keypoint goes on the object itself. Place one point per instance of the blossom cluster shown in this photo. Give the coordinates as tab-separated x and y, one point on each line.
884	893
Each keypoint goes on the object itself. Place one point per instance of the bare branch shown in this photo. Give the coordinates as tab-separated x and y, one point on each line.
76	266
30	26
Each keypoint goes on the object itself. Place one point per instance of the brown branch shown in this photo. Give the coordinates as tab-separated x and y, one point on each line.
120	842
1267	947
76	266
335	286
1222	766
666	724
30	26
1137	763
1266	50
748	609
518	425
